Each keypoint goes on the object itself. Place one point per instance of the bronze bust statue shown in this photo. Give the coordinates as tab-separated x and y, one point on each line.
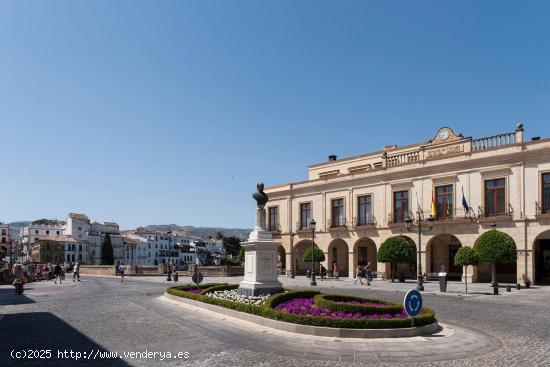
260	196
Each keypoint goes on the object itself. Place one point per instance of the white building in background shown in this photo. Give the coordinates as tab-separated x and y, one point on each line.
41	228
5	241
146	247
75	250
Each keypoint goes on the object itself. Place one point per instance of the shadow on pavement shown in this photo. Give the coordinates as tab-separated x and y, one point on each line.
8	297
43	331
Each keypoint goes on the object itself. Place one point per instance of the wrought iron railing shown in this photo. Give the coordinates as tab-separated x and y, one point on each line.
274	227
393	220
370	220
542	209
483	213
343	223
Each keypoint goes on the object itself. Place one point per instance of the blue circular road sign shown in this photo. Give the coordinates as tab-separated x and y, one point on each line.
412	302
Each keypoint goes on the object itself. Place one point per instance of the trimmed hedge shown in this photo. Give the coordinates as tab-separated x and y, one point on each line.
335	302
268	311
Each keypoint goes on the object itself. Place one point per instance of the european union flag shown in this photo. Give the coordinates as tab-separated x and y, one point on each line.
464	202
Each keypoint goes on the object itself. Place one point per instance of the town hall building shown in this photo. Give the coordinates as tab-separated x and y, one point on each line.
500	181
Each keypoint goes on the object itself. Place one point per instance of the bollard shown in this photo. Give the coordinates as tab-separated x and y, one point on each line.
495	290
518	286
508	288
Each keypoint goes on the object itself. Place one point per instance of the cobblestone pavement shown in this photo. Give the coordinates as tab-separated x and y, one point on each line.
101	313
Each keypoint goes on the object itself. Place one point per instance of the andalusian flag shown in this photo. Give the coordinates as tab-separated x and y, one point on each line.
433	211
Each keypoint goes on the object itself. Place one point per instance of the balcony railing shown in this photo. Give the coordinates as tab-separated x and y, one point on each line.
275	228
396	221
482	212
370	220
301	226
338	224
494	141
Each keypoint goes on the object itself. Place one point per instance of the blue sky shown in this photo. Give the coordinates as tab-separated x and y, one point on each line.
151	112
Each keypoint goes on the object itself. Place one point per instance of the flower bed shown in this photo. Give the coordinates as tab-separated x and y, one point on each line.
234	296
301	307
350	304
305	306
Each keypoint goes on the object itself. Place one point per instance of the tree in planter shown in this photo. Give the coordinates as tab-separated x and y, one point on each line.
466	256
107	257
495	247
394	250
317	255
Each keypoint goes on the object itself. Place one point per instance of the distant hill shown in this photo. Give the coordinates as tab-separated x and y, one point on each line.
201	231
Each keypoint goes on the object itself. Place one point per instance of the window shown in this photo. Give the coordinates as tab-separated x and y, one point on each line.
444	202
36	231
400	206
47	232
57	232
338	219
546	193
273	218
364	210
305	215
3	232
495	197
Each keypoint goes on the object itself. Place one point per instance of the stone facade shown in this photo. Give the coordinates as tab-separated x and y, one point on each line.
501	178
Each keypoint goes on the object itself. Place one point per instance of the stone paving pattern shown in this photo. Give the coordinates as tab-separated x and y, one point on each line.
512	329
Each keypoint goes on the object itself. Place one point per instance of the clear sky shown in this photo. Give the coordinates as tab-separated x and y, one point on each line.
150	112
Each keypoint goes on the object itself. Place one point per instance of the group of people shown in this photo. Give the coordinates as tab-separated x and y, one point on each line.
29	273
363	272
335	271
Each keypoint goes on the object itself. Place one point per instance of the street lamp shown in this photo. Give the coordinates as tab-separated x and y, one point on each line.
415	224
169	233
312	226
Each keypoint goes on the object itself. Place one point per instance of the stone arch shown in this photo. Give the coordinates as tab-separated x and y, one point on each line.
364	251
281	259
440	252
338	251
300	266
541	258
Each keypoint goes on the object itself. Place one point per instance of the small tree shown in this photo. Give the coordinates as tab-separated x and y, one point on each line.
232	245
495	247
394	250
241	255
466	256
315	255
107	257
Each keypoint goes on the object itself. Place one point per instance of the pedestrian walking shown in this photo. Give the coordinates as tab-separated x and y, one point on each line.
121	271
76	271
368	271
358	275
57	272
335	270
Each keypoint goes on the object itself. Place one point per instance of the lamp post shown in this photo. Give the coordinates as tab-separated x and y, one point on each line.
292	234
312	226
169	233
416	224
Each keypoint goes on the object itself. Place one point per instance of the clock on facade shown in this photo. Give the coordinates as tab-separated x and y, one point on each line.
444	134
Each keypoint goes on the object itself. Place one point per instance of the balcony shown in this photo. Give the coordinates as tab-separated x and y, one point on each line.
337	225
274	228
397	222
542	211
483	215
302	228
364	223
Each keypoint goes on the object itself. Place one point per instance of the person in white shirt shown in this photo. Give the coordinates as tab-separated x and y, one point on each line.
121	270
76	271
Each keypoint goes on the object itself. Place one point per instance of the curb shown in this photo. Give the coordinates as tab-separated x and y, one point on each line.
309	329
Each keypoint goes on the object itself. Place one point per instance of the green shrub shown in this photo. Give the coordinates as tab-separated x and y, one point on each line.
496	247
337	303
318	255
221	287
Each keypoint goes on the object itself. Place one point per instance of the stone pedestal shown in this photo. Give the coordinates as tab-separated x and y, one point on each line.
260	265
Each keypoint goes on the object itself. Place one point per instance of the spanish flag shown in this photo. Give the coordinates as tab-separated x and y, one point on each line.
433	210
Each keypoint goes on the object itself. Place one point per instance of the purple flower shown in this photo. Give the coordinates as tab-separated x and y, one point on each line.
305	306
195	290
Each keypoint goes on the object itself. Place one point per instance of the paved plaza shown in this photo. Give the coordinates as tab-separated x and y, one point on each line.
101	314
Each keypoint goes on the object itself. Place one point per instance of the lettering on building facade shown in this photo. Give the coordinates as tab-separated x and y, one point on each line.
445	151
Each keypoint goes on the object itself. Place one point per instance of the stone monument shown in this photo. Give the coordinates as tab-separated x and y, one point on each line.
260	254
